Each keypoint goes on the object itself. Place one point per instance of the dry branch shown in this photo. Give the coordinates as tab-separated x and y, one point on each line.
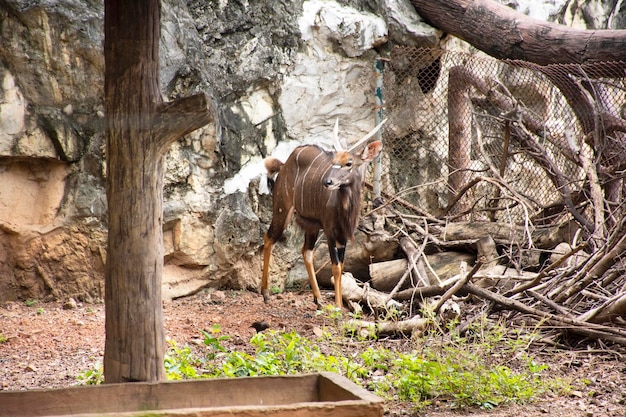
610	310
376	301
419	294
498	274
465	277
592	330
545	272
413	254
385	275
534	292
593	270
368	329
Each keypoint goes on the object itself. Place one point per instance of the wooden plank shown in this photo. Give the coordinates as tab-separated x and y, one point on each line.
267	396
333	387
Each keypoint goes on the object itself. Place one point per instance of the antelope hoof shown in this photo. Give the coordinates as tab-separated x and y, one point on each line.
266	296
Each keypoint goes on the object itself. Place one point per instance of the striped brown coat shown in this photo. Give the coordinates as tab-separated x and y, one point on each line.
322	189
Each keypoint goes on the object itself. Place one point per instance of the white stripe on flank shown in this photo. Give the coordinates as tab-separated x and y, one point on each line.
305	175
295	180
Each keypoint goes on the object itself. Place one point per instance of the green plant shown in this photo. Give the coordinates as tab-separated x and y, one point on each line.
213	339
180	363
3	338
30	303
93	376
277	354
474	369
331	313
467	371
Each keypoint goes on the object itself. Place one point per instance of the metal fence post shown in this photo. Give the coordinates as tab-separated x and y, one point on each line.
379	66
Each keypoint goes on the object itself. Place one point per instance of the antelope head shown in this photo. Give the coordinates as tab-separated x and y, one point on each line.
349	166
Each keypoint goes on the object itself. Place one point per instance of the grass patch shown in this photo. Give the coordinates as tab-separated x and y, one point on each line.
485	368
93	376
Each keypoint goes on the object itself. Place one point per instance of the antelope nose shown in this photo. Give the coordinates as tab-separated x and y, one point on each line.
328	182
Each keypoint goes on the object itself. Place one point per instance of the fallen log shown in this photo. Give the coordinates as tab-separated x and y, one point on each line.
385	275
505	233
364	295
370	330
359	255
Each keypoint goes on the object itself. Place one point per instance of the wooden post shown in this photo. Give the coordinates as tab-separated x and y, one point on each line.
139	129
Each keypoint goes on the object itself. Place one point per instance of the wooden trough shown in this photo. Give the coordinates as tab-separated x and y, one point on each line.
323	394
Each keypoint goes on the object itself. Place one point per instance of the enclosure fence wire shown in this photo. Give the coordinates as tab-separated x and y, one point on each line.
455	118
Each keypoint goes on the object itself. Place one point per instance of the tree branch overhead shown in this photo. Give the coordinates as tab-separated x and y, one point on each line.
506	34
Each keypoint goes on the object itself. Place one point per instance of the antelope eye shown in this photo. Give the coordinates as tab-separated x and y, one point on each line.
348	164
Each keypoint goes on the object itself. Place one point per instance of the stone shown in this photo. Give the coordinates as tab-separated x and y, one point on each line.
354	31
406	27
70	304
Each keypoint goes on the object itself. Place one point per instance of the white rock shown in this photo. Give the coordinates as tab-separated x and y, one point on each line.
355	31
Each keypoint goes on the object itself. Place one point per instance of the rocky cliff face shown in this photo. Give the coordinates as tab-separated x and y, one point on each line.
279	73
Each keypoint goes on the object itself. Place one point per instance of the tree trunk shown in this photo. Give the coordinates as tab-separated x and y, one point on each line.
459	137
505	233
139	128
506	34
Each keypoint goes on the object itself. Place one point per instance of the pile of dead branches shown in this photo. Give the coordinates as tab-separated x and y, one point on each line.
531	274
560	264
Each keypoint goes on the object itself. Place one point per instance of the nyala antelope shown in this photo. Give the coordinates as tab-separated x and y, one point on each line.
323	190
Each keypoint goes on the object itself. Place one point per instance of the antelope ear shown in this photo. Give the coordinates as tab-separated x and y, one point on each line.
371	151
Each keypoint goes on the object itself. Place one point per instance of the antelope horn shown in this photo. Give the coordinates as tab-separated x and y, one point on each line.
336	141
366	137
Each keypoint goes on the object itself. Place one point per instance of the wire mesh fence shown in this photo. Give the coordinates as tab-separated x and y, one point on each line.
483	139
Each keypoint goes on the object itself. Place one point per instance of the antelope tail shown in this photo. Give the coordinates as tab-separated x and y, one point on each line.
272	165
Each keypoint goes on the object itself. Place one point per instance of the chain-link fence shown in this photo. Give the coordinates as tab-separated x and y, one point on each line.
472	136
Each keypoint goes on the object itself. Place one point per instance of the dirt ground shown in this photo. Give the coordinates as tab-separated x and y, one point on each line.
45	345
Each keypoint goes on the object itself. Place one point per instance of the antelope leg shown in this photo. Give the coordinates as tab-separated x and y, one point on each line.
267	258
337	253
337	270
307	255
